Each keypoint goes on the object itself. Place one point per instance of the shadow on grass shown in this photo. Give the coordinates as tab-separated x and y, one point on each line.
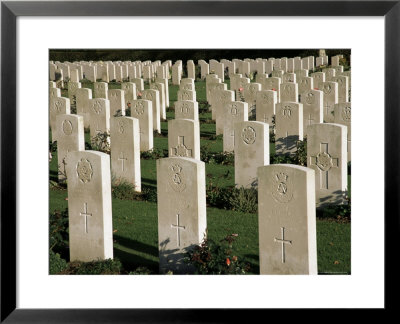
149	182
53	175
132	261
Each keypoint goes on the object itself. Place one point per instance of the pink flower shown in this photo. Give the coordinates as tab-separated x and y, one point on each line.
240	89
316	89
273	89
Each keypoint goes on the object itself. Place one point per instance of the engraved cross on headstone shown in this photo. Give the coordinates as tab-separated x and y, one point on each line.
85	214
324	162
122	159
310	120
283	242
178	228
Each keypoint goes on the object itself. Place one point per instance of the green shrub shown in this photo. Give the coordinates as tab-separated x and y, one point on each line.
204	107
58	230
218	197
103	267
56	263
244	200
216	257
154	154
140	271
101	142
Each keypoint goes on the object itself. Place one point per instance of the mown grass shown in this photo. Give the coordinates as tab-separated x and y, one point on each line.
135	222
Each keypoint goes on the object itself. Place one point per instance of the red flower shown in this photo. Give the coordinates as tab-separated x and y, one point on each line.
228	262
316	89
139	94
240	89
274	89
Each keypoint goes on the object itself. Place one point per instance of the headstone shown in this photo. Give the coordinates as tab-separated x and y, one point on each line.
187	84
250	94
58	106
70	137
329	74
182	220
312	101
265	103
161	91
176	74
287	220
117	102
72	87
289	92
166	90
100	90
130	92
186	95
214	89
187	110
139	84
82	104
289	77
235	112
142	110
330	90
289	127
251	151
343	117
89	206
343	88
327	155
191	69
272	84
318	78
125	150
154	97
222	97
99	110
184	138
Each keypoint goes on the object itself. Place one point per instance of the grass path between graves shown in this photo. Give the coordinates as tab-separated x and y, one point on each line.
135	222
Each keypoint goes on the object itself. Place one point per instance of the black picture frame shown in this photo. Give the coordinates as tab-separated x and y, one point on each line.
10	10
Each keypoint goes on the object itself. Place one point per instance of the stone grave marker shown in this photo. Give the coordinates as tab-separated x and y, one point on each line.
235	112
58	106
181	202
287	220
142	110
89	206
163	108
273	84
186	95
289	92
70	137
330	90
289	127
289	77
100	90
82	104
125	150
117	102
327	155
184	138
153	96
187	110
130	92
250	94
191	69
343	117
251	151
222	97
343	88
318	79
139	84
265	103
99	112
312	101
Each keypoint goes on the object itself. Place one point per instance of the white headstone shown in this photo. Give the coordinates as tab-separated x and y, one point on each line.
235	111
154	97
143	111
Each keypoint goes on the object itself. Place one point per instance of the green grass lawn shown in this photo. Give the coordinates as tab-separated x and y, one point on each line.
135	222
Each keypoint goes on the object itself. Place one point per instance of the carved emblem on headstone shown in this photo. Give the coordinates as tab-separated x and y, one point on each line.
249	135
67	127
185	108
346	113
287	111
97	108
176	178
139	108
84	170
282	188
57	105
310	98
327	88
324	161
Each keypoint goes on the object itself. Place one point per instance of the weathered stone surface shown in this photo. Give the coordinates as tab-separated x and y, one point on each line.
83	96
265	103
187	110
100	90
99	110
235	111
70	137
184	138
181	200
117	102
154	97
58	106
330	98
125	150
89	206
312	101
143	111
251	151
287	220
327	155
289	127
289	92
343	117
